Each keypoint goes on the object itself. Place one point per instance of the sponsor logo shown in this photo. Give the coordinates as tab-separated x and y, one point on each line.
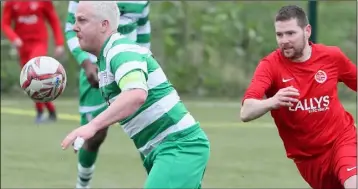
312	105
31	19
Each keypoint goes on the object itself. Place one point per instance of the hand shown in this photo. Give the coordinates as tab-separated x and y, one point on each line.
91	72
78	144
59	51
85	132
17	43
284	97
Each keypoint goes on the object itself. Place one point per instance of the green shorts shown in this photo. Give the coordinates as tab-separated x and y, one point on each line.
180	161
87	117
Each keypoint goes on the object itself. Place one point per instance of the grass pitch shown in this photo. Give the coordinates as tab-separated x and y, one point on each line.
244	155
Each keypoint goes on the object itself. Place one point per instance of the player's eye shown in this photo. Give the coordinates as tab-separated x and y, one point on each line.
80	19
290	33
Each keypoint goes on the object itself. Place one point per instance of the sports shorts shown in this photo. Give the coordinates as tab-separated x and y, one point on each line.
179	161
331	169
32	49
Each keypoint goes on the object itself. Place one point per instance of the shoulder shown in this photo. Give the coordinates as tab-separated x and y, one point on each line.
272	59
7	3
326	50
126	52
46	2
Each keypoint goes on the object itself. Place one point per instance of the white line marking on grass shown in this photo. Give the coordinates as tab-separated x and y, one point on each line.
71	117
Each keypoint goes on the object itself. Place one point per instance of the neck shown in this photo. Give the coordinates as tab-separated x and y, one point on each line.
306	54
102	40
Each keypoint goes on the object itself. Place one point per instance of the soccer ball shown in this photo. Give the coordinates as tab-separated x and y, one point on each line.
43	79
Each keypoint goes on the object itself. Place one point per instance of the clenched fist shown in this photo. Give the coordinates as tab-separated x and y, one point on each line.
284	97
91	72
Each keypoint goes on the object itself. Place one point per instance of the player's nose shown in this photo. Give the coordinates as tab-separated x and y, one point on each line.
76	28
284	40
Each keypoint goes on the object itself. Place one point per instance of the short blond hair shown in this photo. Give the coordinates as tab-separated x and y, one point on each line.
107	10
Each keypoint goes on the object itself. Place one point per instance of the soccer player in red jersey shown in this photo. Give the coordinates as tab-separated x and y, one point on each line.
30	36
300	80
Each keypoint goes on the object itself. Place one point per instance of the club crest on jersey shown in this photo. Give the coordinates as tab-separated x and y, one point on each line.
33	5
320	76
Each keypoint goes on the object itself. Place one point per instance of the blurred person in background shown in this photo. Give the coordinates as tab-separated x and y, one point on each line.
134	23
300	81
29	36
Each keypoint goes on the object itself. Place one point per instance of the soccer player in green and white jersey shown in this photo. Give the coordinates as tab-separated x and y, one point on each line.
141	98
135	25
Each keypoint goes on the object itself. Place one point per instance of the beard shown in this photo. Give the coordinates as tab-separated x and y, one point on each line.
294	52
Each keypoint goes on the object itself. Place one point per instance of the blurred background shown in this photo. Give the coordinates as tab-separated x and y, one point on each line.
209	51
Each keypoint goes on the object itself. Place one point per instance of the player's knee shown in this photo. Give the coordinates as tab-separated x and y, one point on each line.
95	142
351	182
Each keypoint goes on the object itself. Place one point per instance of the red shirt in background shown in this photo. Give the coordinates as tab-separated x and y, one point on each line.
311	126
29	19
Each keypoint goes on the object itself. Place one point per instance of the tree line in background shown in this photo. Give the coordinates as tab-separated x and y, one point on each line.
212	48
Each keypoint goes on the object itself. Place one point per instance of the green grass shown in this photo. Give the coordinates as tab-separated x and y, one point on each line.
243	155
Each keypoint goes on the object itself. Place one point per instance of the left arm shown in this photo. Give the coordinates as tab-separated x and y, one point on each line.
144	29
131	75
55	23
125	105
134	94
347	71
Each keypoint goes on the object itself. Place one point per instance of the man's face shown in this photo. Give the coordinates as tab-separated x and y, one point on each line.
291	38
87	27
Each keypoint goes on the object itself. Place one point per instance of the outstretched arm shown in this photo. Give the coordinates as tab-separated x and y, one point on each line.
134	87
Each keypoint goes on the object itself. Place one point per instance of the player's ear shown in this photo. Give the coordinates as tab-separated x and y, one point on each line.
308	30
105	25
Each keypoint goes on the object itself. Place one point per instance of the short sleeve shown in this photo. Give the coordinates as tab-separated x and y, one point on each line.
347	70
261	82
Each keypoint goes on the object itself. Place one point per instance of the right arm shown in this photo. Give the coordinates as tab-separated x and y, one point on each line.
70	35
254	106
6	20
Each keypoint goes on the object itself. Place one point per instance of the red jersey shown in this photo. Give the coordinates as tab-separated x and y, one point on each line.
311	126
29	21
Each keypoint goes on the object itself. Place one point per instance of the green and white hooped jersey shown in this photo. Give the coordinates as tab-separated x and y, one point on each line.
162	113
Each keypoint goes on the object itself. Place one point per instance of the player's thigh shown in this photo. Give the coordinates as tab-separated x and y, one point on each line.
345	158
24	53
317	172
179	165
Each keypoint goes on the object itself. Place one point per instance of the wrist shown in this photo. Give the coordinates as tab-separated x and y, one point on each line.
268	103
93	126
85	64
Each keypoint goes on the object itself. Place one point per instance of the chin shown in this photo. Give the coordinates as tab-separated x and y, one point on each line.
290	55
84	48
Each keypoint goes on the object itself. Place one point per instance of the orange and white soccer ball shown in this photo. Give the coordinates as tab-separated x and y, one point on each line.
43	79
